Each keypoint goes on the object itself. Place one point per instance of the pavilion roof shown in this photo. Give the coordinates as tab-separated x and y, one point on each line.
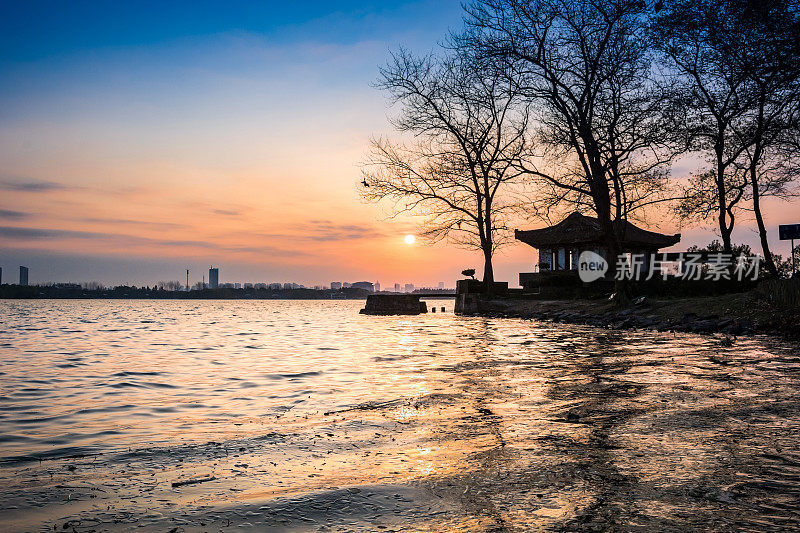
580	230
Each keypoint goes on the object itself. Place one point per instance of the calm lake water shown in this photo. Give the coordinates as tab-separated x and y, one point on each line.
306	416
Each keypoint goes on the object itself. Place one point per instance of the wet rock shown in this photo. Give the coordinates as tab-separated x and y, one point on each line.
704	326
733	329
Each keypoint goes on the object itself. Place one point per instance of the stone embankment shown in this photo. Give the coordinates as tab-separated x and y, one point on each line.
664	316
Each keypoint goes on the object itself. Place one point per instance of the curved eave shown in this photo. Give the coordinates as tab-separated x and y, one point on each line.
543	238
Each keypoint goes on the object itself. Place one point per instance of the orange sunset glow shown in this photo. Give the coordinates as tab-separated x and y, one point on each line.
130	162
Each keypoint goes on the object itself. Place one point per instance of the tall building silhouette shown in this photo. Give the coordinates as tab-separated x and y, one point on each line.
23	275
213	277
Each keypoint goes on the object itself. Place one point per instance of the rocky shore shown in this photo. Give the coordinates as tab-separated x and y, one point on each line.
730	315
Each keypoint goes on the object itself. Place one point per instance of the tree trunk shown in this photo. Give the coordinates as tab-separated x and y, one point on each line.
488	272
762	230
487	245
612	242
724	230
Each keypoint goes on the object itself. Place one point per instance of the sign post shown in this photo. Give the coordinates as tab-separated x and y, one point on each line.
790	232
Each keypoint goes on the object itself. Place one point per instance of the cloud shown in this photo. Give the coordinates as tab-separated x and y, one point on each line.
27	185
128	222
13	215
40	234
327	231
16	233
227	212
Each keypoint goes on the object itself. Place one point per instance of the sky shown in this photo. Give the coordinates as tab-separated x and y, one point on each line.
141	139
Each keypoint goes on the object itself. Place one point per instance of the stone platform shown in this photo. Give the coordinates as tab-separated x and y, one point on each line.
394	304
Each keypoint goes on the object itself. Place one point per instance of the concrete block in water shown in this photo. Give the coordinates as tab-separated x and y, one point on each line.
394	304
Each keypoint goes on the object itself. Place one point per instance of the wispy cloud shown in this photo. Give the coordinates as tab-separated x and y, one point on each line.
17	233
129	222
29	185
14	233
327	231
13	215
227	212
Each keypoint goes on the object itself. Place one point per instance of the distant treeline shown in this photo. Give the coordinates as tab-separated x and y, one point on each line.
127	292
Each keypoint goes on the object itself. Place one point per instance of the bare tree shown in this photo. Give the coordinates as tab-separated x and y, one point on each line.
459	168
687	32
737	66
764	46
169	285
585	66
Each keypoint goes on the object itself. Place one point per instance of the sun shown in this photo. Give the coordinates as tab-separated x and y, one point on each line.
410	239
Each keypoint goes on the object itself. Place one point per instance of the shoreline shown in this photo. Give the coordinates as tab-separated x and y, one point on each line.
731	315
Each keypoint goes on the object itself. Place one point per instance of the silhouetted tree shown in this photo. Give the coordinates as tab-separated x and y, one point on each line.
459	167
786	269
686	32
585	67
764	46
170	285
737	63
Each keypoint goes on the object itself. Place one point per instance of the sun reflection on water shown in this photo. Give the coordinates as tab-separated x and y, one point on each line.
306	412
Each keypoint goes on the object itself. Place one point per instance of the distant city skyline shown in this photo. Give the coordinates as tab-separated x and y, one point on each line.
214	282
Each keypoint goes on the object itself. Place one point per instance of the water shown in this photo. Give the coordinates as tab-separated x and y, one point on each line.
302	416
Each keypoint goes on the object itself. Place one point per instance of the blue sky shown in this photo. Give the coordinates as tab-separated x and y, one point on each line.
31	31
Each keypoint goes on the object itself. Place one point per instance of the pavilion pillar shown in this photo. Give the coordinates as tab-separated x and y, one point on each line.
648	264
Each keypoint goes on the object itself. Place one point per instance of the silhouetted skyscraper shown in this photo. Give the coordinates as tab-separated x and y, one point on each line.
1	275
23	275
213	277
